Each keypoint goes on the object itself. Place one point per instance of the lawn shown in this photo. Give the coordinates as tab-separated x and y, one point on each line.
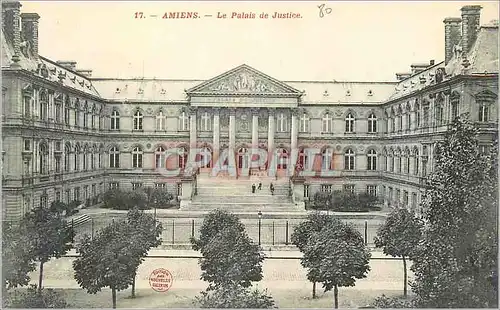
147	298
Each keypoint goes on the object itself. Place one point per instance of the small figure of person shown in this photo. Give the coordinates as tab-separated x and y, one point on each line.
260	186
253	188
271	187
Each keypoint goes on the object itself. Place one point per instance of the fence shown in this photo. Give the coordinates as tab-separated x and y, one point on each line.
178	231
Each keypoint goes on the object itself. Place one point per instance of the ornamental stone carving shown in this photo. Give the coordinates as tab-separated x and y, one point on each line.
244	81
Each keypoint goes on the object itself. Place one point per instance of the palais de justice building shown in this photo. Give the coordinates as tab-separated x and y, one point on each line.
68	136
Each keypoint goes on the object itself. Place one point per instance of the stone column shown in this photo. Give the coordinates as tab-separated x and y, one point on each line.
255	129
216	136
192	134
232	129
293	142
270	131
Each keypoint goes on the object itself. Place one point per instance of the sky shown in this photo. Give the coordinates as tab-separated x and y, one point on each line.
352	41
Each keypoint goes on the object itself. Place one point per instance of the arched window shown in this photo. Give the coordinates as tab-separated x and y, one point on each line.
372	123
67	110
304	123
303	162
84	161
327	123
43	158
115	120
43	105
114	158
205	122
408	121
349	123
416	163
93	117
282	123
76	158
282	158
160	157
67	152
372	160
349	160
205	157
92	159
393	123
138	120
160	121
137	157
182	159
85	117
183	121
439	113
327	158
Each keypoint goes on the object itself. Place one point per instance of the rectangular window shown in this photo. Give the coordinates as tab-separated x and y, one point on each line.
136	186
114	185
94	191
371	190
58	196
179	189
349	188
76	194
27	145
414	201
160	185
306	191
326	188
398	196
67	195
405	198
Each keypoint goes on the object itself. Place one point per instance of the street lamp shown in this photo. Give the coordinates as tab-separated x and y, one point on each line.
156	201
260	223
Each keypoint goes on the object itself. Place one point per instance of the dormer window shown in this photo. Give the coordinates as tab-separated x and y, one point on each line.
325	93
370	93
140	91
163	91
117	91
348	93
73	79
423	79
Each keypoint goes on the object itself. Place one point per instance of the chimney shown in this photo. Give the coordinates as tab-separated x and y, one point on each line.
11	25
416	68
85	72
470	26
68	64
451	36
402	76
29	23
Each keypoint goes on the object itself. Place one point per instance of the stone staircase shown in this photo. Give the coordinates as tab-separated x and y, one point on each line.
236	195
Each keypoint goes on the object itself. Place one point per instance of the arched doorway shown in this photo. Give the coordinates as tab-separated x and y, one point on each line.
282	166
243	158
205	158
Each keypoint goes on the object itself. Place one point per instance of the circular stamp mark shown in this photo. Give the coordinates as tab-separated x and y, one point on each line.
161	280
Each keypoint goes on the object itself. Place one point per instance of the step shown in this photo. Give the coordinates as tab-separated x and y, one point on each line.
236	191
243	207
241	198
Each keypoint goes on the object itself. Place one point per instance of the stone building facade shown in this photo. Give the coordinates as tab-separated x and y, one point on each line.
67	136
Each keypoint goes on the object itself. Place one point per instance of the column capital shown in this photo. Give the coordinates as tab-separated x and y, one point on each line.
192	110
271	110
295	111
255	111
232	111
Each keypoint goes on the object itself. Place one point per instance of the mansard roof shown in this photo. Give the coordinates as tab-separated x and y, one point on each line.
244	80
46	68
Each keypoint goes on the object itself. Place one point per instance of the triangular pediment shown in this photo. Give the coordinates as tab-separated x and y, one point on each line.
243	80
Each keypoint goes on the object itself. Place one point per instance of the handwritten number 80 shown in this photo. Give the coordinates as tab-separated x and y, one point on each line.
322	10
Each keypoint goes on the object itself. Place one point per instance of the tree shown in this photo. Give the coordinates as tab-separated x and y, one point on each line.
160	198
338	254
109	260
235	297
392	303
455	264
145	234
399	236
47	235
17	261
214	222
230	257
301	235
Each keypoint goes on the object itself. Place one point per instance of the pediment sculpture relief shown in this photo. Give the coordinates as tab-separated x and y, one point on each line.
244	82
